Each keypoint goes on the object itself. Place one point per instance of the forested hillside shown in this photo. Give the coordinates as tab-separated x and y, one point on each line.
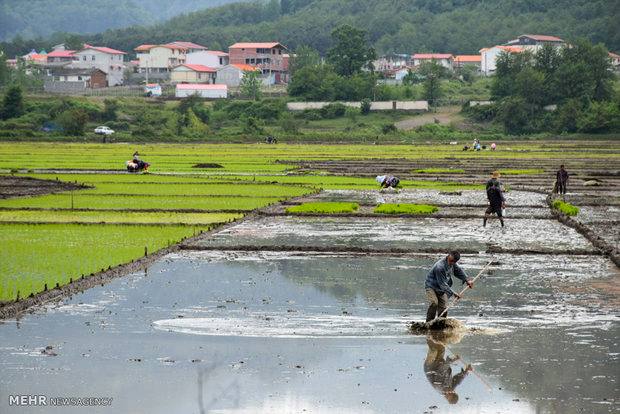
33	18
458	26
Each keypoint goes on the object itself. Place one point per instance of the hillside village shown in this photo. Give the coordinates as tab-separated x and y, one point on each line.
194	69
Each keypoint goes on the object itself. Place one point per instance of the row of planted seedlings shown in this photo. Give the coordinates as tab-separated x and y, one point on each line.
50	240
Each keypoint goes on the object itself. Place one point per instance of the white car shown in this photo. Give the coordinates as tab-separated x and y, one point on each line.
104	130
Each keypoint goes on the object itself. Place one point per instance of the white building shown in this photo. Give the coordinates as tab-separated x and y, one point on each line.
231	75
488	57
162	58
105	59
183	90
210	58
444	59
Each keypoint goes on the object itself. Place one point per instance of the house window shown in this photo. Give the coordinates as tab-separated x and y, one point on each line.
221	61
84	57
279	51
79	78
57	78
93	57
247	61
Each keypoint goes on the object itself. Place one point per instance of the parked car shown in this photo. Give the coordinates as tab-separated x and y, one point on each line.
104	130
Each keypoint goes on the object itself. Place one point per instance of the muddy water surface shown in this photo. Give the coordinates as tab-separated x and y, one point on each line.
273	332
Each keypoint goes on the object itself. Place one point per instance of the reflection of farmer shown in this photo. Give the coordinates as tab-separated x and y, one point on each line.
439	372
497	202
387	181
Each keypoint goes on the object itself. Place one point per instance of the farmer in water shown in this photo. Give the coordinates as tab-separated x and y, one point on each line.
497	202
387	181
438	284
438	370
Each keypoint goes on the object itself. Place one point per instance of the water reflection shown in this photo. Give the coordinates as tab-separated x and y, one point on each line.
438	364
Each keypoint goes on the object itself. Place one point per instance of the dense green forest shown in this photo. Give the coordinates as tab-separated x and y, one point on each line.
33	18
458	26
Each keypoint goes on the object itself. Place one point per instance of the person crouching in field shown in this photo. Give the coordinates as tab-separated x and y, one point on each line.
497	202
387	181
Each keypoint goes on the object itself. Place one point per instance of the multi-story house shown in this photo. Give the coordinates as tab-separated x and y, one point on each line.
444	59
108	60
270	58
160	59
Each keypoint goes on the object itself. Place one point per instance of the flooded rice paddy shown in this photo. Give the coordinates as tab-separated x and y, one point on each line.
234	331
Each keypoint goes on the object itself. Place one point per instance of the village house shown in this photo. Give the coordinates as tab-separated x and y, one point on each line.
461	61
74	80
106	59
615	61
391	62
61	57
187	73
268	57
535	42
488	57
160	59
210	58
444	59
232	74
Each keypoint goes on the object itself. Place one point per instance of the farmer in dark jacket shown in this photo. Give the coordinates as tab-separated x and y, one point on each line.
438	370
561	179
497	202
438	284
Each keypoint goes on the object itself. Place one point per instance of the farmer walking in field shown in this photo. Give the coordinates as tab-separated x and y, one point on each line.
561	180
496	199
438	284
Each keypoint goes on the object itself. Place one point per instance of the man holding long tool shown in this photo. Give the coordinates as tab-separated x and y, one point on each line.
439	284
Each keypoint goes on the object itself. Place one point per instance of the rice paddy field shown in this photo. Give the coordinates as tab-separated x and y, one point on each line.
51	238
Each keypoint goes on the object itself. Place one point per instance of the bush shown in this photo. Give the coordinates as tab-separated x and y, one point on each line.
267	109
252	126
73	121
388	128
118	125
333	110
365	107
289	124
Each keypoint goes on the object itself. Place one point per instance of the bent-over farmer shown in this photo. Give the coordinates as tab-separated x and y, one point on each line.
439	284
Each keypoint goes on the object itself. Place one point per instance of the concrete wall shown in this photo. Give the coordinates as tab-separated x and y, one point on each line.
52	86
418	106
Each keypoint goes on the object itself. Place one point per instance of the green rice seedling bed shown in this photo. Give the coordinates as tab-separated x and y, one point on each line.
72	216
119	202
566	208
439	170
32	255
323	208
231	189
406	209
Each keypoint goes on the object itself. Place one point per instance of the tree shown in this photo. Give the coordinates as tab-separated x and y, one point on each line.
73	121
432	72
250	85
13	103
350	53
304	56
4	69
110	106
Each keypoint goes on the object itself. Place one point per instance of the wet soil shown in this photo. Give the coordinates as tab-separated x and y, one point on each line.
25	186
